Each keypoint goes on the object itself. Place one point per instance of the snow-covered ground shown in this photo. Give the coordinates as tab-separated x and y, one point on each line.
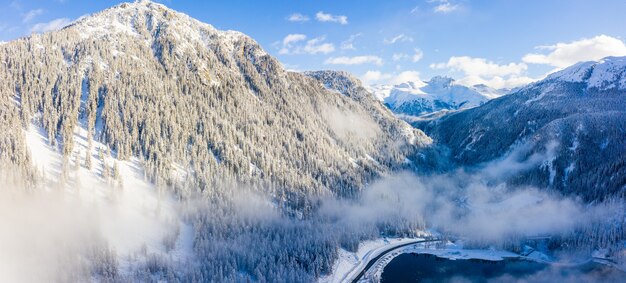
129	213
350	264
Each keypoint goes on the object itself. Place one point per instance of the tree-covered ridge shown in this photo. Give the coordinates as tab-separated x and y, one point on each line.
154	83
578	125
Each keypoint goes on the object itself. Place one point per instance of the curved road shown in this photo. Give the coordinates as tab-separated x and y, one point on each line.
374	260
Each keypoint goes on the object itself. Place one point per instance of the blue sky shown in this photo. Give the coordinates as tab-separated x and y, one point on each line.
501	43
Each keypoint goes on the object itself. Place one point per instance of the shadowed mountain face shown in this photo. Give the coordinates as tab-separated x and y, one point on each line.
154	83
575	118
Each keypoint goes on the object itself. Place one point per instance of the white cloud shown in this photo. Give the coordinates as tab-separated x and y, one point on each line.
324	17
50	26
356	60
297	17
294	44
496	82
481	67
349	43
406	76
292	38
562	55
289	41
482	71
30	15
374	77
417	55
377	77
399	56
398	38
317	45
444	6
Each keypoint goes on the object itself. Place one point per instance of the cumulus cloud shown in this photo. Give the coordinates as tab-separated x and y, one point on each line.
297	17
317	45
53	25
30	15
481	67
294	44
374	77
292	38
406	76
562	55
356	60
480	70
398	38
324	17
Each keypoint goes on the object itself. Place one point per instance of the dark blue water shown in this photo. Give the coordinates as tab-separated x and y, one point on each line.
430	268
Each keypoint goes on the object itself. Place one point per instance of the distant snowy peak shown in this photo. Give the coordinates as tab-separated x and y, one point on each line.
608	73
489	91
418	98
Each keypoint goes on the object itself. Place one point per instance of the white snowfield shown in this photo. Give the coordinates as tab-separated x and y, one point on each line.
350	264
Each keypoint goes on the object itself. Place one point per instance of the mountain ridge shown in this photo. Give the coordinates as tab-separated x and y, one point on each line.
572	114
217	97
438	94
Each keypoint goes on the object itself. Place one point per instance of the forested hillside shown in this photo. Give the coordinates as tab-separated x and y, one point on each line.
245	148
575	119
154	83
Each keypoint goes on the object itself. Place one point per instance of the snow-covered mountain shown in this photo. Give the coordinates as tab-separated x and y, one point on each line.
222	103
417	98
145	107
575	120
606	74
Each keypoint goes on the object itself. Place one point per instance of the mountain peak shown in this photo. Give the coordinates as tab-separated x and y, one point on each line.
441	81
606	73
130	17
150	23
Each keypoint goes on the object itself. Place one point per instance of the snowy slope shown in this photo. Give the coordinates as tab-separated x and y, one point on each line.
608	73
440	93
131	215
350	264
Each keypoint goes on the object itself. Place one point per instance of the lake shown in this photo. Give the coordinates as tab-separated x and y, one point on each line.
411	267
